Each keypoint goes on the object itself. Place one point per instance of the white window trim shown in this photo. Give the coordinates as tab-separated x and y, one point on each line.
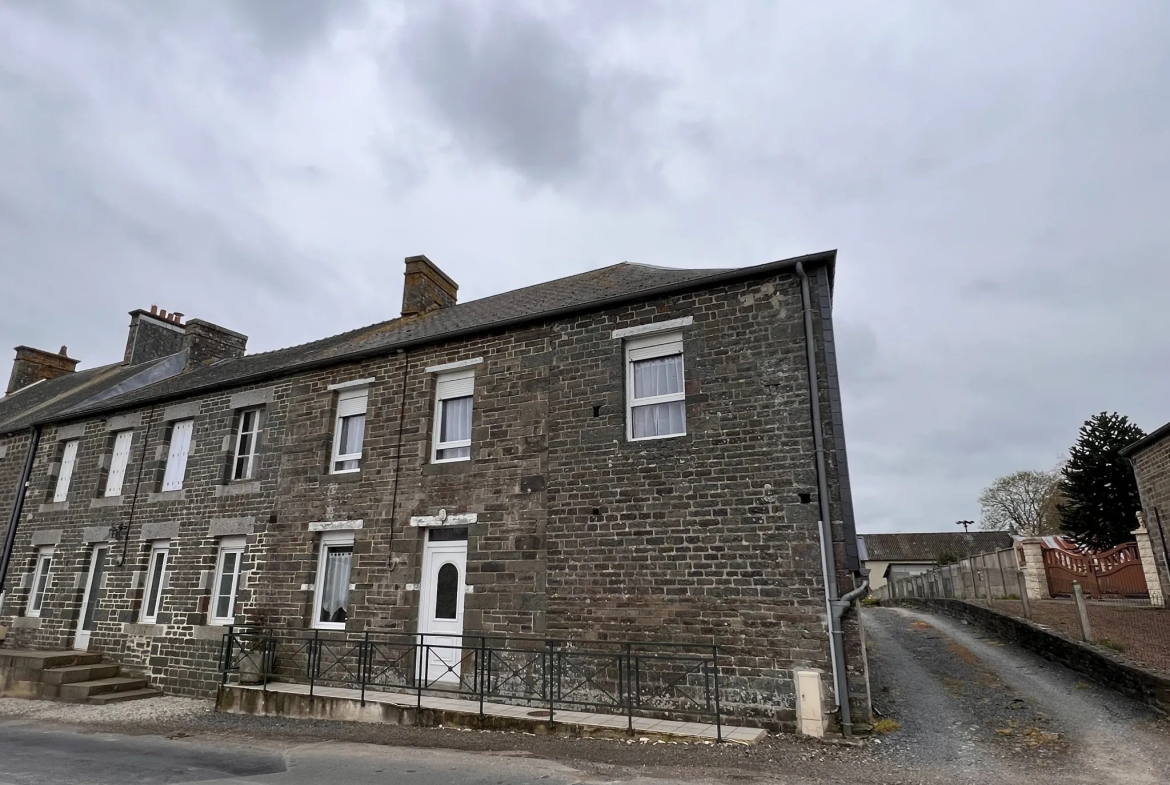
255	453
436	429
351	384
455	366
116	477
36	600
176	470
65	473
335	539
659	344
236	545
653	327
349	392
164	547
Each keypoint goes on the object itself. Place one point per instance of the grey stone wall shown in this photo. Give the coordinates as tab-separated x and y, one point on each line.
1152	468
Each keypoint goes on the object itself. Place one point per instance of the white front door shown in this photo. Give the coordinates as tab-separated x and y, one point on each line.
89	601
440	615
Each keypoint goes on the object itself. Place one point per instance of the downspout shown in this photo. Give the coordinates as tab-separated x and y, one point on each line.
18	506
834	606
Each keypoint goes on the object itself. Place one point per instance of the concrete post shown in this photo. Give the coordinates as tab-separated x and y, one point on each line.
1032	568
1149	565
1082	611
1024	595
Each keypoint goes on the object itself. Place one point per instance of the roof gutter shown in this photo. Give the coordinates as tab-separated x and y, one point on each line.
833	612
827	258
18	505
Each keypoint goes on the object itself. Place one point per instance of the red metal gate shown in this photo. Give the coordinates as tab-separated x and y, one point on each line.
1115	573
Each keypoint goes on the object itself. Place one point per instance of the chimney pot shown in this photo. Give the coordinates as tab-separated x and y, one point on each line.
154	310
64	351
426	288
162	312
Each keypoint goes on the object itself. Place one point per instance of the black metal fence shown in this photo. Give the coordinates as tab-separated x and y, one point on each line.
659	680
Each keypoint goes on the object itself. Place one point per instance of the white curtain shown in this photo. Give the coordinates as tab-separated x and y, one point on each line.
659	419
660	376
456	420
353	428
335	586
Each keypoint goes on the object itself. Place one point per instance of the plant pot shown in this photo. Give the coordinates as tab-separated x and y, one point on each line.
254	665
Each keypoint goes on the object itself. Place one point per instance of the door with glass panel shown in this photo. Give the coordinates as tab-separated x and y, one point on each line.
440	616
91	597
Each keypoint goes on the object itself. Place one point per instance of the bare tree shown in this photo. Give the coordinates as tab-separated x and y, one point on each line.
1025	502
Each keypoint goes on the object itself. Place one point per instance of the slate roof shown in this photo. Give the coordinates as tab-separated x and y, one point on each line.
577	293
928	546
47	400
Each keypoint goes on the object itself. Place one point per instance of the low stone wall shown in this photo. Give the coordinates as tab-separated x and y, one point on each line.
1096	663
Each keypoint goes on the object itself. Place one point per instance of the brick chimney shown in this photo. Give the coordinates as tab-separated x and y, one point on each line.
427	287
154	334
34	365
207	343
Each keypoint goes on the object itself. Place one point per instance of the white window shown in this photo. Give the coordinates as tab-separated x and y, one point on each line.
227	580
331	604
118	463
247	444
655	401
68	459
40	585
350	430
452	430
177	457
156	580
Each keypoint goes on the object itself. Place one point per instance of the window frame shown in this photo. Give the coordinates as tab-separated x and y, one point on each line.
65	472
653	347
342	413
449	386
40	583
118	472
227	545
340	539
175	473
254	454
157	547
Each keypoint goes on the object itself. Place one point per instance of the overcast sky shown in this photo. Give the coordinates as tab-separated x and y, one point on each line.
995	176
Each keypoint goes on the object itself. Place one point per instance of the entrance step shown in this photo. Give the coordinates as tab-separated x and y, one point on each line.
70	676
82	690
119	697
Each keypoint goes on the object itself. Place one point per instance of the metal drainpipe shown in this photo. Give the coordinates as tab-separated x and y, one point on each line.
828	561
18	505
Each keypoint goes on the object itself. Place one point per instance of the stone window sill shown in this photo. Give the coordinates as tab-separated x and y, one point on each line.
167	496
238	488
53	507
342	477
105	501
451	467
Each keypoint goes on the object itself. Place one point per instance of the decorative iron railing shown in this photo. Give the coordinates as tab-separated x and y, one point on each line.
662	680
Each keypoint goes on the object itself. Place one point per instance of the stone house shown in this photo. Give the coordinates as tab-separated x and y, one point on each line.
631	453
1150	458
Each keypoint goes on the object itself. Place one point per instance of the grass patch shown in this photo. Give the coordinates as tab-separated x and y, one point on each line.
1011	596
1080	685
886	725
870	600
1108	644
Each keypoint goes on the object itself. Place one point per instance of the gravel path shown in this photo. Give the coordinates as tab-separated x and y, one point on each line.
989	712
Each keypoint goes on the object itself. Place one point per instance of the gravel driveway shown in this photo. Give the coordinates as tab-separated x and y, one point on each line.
974	709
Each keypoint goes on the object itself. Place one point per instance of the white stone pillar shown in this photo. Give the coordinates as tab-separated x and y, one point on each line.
1035	577
1149	565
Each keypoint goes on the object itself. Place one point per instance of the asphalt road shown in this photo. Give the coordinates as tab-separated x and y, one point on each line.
32	756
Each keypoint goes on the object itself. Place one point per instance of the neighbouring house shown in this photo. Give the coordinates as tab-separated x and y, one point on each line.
1150	458
630	454
895	556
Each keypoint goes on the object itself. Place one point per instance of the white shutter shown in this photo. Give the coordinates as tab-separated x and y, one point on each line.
66	473
118	463
654	346
177	460
351	402
458	384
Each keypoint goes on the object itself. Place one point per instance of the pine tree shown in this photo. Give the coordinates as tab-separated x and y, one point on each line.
1099	489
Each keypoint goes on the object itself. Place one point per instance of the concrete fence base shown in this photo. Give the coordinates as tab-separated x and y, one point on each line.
1094	662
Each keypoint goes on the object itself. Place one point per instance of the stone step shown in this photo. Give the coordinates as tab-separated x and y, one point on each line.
128	695
74	673
42	660
81	690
